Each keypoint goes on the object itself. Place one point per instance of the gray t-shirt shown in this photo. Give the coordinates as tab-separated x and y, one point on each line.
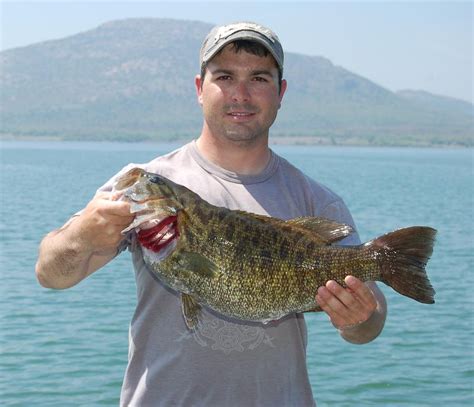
224	362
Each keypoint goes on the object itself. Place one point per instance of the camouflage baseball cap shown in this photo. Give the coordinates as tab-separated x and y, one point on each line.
222	35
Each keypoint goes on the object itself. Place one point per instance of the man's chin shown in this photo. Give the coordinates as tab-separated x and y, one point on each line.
244	137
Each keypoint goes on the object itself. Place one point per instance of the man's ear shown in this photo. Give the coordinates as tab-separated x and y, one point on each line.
283	87
197	83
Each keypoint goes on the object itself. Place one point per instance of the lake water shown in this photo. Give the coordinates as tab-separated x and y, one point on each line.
69	348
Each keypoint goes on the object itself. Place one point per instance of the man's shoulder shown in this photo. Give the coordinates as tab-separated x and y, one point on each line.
165	162
301	180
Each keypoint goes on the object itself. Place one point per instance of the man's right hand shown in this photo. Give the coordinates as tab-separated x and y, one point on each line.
101	222
85	243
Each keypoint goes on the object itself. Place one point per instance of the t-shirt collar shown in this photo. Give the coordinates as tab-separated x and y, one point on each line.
231	176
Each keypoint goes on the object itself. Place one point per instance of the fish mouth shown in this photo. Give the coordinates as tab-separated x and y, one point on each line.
155	224
128	179
156	237
156	220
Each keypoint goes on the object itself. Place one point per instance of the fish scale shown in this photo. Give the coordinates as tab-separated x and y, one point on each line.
259	268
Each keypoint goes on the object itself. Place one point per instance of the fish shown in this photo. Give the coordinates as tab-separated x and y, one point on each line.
259	268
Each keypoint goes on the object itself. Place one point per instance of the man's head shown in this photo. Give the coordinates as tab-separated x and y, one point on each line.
240	87
244	36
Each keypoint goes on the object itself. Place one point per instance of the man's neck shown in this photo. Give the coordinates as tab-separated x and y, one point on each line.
244	159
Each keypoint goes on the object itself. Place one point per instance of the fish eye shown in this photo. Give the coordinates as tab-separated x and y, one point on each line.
156	179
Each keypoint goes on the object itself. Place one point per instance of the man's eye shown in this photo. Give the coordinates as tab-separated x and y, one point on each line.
260	79
223	77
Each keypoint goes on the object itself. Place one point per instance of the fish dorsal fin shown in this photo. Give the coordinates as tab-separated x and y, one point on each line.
191	310
196	263
321	230
325	231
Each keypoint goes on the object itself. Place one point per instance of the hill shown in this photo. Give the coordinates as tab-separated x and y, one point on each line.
133	80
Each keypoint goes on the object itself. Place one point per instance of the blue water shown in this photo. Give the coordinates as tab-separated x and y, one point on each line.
69	348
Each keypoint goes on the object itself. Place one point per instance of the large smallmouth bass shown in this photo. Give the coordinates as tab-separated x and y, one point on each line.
255	267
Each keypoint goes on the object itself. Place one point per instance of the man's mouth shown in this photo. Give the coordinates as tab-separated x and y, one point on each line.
241	115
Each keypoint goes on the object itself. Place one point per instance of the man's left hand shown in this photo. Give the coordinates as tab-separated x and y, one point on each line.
347	307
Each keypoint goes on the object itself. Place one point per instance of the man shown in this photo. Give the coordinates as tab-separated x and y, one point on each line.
224	362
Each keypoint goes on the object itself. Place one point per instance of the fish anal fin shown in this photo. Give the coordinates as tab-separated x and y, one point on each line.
191	310
325	231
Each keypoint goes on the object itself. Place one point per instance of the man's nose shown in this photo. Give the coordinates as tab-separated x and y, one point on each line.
241	92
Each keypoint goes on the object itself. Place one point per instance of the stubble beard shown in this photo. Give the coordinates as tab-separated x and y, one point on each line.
243	134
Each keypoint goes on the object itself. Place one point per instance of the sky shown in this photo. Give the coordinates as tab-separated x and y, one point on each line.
422	45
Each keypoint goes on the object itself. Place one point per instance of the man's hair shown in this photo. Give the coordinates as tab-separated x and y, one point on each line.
250	47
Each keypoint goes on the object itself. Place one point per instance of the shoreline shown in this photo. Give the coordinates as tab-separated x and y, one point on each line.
273	141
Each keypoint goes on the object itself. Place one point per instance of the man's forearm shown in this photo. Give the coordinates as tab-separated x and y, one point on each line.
84	244
66	256
62	260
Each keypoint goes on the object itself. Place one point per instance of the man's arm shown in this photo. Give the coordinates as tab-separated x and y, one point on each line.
358	311
84	244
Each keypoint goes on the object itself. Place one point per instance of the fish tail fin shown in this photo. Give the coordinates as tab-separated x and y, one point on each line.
405	253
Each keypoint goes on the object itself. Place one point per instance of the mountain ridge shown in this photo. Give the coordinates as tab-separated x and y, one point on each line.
132	79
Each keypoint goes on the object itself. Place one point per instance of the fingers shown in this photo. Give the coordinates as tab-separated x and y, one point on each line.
103	220
362	292
107	204
346	306
116	211
332	304
109	201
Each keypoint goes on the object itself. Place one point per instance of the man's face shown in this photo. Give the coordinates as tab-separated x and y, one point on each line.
240	95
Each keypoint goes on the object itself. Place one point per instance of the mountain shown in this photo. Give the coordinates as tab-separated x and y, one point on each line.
134	80
436	102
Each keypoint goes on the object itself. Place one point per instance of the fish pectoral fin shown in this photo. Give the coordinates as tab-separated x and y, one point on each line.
191	310
196	263
325	231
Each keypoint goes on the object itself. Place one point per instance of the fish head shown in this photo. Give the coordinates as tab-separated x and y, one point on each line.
138	185
155	201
